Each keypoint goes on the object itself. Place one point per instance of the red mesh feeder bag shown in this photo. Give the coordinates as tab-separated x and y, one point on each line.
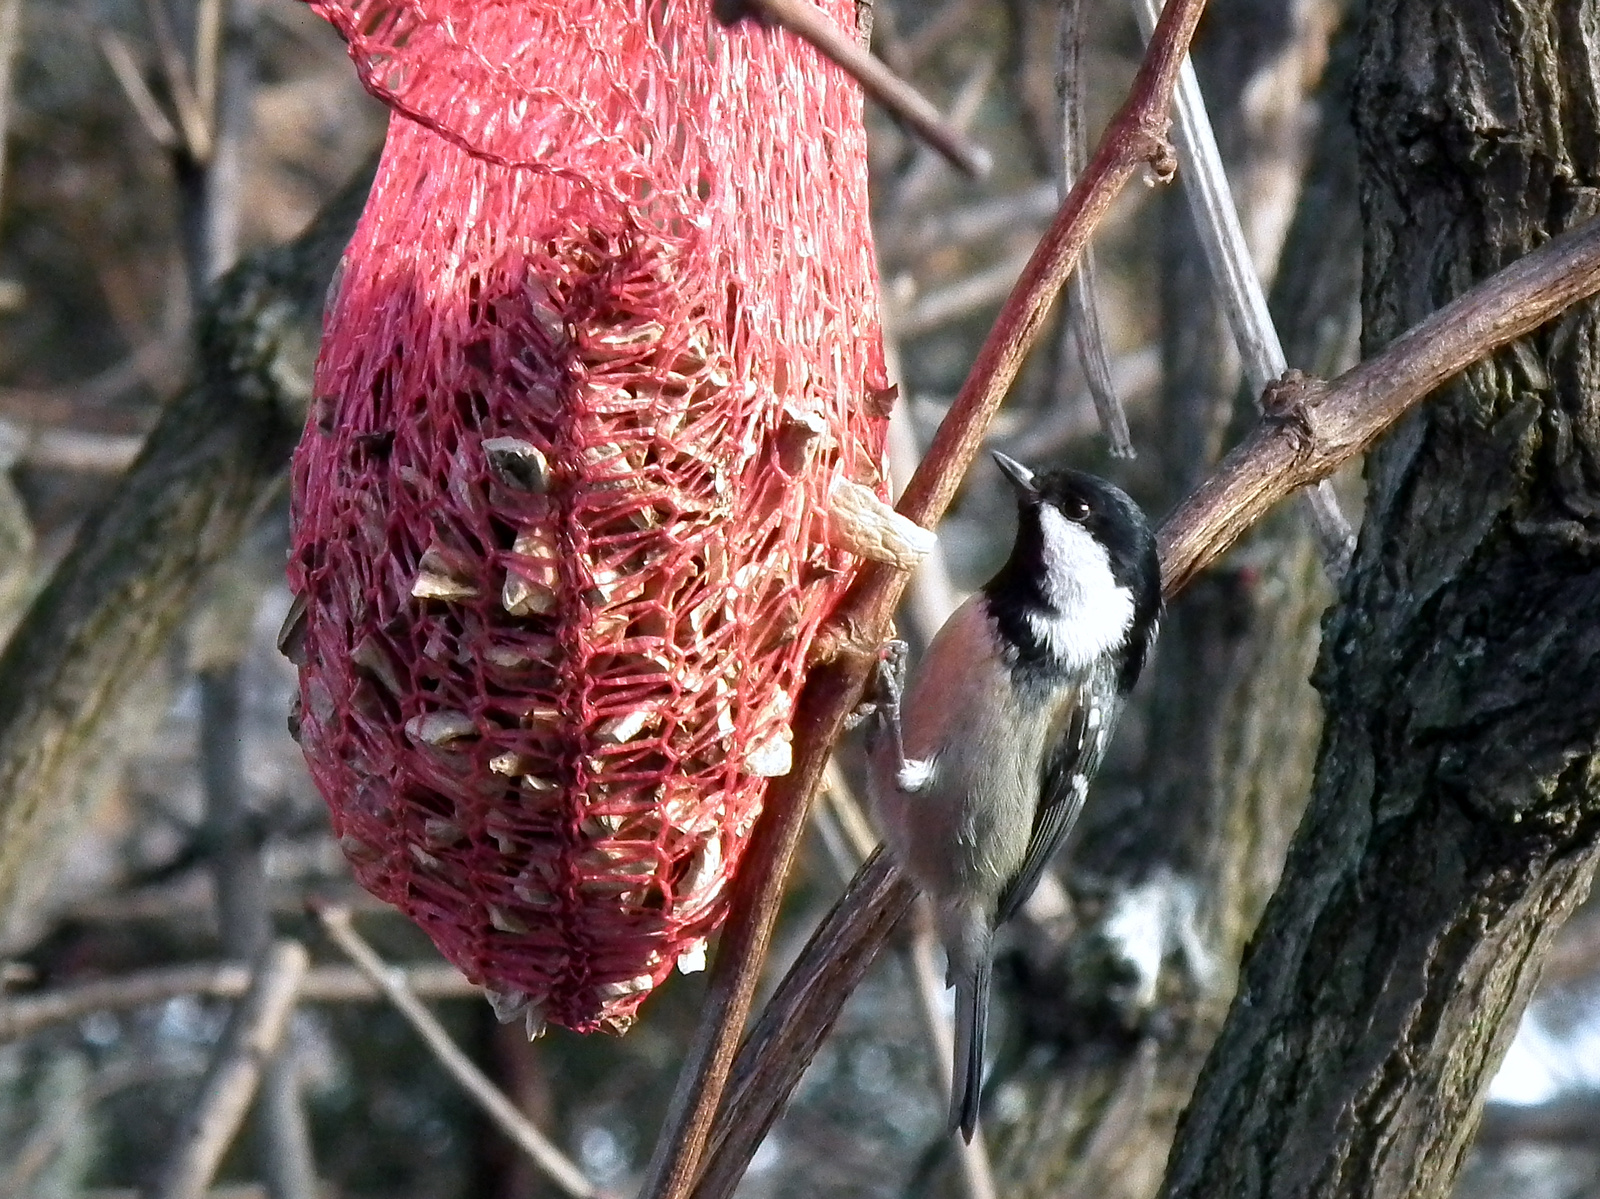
602	348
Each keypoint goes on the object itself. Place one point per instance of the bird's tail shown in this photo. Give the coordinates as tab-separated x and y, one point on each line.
972	1018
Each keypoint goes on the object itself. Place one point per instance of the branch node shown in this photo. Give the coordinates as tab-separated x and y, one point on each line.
1161	160
1289	402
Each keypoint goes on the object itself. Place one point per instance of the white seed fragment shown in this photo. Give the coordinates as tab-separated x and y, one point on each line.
357	850
441	579
440	833
538	651
704	869
507	764
542	716
517	464
507	1005
499	826
534	1022
505	921
627	986
370	655
773	757
693	959
862	524
422	857
530	589
533	892
431	585
440	728
627	726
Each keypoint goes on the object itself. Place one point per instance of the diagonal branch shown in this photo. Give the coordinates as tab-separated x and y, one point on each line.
1311	429
556	1166
1133	141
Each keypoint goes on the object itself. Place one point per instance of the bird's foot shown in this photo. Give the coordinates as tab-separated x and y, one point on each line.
882	707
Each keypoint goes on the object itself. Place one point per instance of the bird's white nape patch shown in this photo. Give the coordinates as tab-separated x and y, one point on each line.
915	775
1092	612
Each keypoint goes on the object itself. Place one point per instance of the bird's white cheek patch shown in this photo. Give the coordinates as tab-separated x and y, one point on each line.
1092	612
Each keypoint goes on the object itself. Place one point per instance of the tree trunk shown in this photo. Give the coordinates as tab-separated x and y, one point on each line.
1455	815
217	455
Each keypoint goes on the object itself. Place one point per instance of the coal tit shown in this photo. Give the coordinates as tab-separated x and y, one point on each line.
980	770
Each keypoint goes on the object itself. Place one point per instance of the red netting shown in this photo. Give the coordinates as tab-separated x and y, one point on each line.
604	339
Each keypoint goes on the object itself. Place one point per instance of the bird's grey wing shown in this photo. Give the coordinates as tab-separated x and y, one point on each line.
1064	785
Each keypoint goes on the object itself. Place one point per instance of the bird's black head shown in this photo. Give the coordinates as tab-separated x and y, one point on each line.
1084	564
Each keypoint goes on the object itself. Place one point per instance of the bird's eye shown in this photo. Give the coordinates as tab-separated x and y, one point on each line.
1075	508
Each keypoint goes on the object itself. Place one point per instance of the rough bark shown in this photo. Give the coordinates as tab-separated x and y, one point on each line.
1455	817
217	454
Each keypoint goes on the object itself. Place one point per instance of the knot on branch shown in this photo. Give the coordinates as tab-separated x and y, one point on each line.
1290	403
1161	161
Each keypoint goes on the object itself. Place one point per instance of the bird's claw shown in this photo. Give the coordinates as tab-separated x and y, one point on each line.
887	688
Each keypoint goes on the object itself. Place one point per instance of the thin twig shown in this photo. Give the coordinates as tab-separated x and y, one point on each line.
249	1041
1216	219
213	194
932	597
26	1015
194	122
1082	325
1134	139
555	1165
1311	429
806	20
208	23
862	920
79	450
125	70
10	29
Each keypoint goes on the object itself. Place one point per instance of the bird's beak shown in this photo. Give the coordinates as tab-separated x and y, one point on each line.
1020	476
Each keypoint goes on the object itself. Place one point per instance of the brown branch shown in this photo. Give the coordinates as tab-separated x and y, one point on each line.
26	1015
780	1046
1314	428
1133	140
805	20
